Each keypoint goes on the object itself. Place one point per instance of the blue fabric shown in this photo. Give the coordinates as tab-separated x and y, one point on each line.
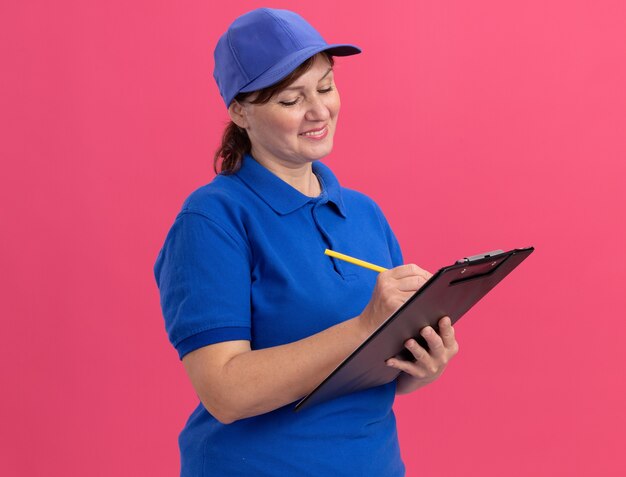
263	46
245	259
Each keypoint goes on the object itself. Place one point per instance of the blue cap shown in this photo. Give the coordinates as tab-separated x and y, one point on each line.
263	46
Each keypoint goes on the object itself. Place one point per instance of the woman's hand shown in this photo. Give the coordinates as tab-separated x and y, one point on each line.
393	287
427	366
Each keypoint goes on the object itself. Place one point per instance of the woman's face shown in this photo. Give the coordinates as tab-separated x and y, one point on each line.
277	128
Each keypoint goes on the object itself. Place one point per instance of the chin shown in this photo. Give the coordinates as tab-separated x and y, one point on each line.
324	149
321	154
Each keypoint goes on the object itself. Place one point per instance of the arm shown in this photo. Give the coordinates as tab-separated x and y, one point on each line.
235	382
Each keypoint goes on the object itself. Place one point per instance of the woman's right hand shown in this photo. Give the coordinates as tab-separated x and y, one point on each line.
235	382
393	288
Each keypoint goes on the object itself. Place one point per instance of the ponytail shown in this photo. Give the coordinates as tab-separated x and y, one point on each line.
235	143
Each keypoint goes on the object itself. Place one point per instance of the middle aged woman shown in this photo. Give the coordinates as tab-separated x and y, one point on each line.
258	314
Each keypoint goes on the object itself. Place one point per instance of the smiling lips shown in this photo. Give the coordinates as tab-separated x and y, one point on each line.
316	133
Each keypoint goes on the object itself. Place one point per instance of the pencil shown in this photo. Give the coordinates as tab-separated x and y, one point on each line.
355	261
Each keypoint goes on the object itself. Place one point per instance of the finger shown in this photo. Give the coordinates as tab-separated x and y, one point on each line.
407	366
435	343
422	366
418	352
413	282
407	270
446	331
410	284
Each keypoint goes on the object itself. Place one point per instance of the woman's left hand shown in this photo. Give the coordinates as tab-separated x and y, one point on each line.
428	365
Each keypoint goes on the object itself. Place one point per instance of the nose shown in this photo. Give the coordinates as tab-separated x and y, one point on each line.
317	109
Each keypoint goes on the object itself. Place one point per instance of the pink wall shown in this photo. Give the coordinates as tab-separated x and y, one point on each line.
475	125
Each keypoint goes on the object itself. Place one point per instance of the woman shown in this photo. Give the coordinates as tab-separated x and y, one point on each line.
258	314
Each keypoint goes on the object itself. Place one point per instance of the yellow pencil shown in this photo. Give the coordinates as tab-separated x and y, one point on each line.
355	261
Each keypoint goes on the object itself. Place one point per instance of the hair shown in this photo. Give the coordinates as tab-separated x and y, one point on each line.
235	140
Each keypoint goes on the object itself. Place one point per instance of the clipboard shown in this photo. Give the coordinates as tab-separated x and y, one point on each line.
452	291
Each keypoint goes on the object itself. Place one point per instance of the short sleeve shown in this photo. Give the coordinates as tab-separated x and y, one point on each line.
203	275
394	246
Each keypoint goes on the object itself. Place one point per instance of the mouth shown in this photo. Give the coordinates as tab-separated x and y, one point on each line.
315	133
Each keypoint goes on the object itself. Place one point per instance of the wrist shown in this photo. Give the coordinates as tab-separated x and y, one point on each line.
363	327
405	383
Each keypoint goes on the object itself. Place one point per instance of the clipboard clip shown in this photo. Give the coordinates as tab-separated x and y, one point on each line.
481	256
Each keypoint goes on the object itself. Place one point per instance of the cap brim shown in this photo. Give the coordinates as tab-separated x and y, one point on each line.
280	70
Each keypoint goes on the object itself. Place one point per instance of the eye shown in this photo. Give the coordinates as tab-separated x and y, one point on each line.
285	103
292	103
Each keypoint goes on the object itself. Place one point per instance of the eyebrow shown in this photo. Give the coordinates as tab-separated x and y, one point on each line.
301	87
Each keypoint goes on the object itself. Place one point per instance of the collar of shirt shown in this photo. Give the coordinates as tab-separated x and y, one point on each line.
281	196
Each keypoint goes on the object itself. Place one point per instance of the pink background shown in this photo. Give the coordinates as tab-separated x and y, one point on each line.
475	125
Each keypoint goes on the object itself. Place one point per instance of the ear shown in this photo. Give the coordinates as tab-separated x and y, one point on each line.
238	114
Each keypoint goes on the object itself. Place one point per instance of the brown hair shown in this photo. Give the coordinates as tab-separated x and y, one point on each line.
235	140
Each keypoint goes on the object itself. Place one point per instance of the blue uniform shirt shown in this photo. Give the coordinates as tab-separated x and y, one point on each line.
244	260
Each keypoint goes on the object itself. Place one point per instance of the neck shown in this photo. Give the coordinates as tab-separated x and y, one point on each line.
300	177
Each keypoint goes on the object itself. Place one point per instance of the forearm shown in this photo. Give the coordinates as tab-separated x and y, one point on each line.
259	381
